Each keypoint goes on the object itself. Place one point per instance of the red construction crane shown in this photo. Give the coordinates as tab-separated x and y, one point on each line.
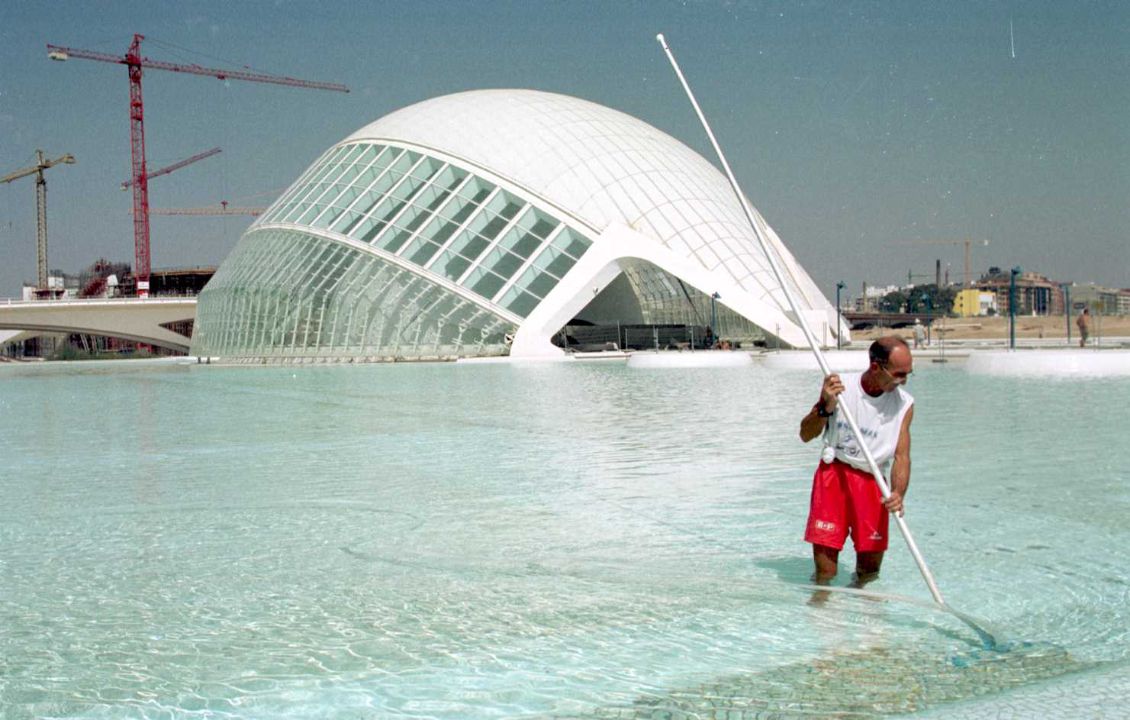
175	166
40	207
135	62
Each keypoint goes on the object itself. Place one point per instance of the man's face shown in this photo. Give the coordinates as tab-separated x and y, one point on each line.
897	370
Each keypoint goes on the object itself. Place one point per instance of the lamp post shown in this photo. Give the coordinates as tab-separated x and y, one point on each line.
714	313
929	312
1012	307
1067	309
839	287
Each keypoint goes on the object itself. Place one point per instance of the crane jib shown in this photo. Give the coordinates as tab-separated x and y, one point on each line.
140	178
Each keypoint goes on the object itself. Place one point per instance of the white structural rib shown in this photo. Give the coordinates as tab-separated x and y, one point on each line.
605	260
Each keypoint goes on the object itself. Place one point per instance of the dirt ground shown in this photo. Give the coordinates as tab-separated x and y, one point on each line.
997	328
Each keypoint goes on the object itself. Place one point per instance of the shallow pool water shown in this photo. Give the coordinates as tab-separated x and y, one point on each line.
565	540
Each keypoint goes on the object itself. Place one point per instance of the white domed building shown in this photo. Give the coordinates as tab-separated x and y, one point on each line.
483	223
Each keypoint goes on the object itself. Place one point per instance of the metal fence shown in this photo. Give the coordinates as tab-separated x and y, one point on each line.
588	338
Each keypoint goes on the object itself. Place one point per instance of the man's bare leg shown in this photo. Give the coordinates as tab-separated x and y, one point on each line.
867	566
826	560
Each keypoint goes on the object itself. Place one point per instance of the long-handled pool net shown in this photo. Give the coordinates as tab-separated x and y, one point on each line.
986	637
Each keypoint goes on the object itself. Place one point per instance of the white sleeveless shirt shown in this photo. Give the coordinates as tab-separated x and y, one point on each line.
879	419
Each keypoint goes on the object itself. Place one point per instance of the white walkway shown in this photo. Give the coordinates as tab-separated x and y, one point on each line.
127	318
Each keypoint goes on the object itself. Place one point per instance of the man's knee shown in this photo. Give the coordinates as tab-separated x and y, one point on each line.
868	563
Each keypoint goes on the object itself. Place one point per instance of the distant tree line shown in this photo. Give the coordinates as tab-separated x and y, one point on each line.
925	299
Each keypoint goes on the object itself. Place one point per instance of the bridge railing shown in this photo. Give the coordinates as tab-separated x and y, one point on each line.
97	301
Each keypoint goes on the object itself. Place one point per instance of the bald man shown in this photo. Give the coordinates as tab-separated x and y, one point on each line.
845	496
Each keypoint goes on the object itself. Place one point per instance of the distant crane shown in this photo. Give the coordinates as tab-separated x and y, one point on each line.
222	209
40	207
135	62
967	242
175	166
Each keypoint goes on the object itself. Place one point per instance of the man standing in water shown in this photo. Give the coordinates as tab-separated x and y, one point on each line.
845	495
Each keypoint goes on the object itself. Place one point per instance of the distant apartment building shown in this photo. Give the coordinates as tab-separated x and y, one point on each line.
869	300
1102	300
972	302
1035	293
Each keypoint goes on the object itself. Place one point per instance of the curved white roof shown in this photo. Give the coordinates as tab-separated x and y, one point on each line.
601	166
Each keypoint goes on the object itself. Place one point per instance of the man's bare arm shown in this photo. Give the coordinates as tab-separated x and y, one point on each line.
900	469
812	424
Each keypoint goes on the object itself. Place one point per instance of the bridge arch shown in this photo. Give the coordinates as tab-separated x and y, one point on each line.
140	320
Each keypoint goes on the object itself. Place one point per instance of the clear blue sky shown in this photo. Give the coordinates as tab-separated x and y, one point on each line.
855	127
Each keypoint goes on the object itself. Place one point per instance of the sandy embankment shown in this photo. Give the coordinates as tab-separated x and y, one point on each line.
992	328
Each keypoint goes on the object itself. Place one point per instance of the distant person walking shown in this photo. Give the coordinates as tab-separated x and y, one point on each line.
1084	324
919	333
845	496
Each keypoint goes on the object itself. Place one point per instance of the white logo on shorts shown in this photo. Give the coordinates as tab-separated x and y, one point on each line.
825	525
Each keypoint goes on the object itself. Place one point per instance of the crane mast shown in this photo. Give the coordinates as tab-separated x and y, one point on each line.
140	178
139	172
40	229
40	208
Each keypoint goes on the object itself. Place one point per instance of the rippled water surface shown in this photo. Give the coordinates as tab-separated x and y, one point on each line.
477	541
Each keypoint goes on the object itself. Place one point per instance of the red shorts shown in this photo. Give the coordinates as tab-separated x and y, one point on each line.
843	499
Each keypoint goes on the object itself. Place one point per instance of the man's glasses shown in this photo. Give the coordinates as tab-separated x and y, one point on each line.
898	376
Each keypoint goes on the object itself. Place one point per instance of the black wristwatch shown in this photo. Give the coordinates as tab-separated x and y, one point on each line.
821	412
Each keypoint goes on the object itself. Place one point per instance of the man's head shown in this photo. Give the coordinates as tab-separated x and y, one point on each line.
891	363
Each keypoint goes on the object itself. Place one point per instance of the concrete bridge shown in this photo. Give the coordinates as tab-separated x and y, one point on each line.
140	320
864	320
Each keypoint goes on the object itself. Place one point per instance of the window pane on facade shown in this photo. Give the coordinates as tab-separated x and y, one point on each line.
520	242
572	242
554	261
505	205
518	302
536	281
537	222
484	283
468	244
476	191
451	265
502	263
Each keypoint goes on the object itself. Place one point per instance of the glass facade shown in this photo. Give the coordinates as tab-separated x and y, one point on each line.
359	258
284	294
666	300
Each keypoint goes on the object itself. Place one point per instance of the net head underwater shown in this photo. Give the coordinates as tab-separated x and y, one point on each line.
562	540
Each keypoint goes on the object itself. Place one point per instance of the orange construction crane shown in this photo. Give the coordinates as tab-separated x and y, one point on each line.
222	209
967	242
40	207
135	62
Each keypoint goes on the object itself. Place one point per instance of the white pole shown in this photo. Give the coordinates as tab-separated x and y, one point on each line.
769	255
